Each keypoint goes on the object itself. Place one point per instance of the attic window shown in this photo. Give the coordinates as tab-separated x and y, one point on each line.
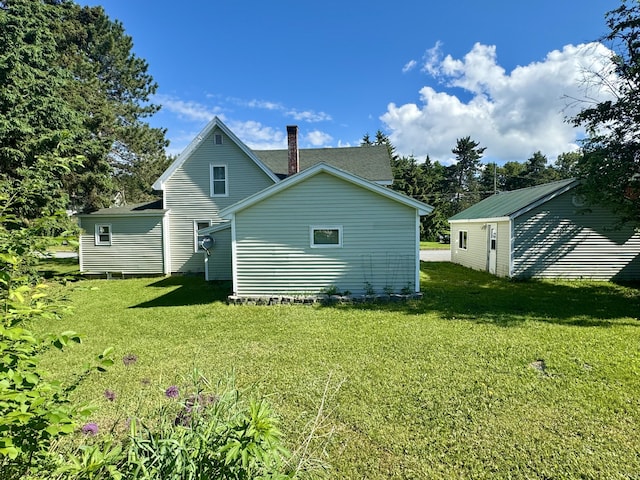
217	139
326	236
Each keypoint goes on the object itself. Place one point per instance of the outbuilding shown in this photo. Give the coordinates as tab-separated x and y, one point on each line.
545	231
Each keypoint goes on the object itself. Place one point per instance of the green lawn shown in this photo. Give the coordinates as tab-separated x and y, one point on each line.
484	378
434	246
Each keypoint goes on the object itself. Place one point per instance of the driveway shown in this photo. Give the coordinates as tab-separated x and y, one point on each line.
435	255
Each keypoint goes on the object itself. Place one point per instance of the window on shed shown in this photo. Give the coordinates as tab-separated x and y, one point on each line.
462	239
219	181
197	239
326	236
103	234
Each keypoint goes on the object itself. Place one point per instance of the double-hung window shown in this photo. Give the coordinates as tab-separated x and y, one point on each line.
219	180
326	236
103	234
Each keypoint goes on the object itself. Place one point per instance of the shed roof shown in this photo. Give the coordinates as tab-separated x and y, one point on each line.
146	208
370	162
514	203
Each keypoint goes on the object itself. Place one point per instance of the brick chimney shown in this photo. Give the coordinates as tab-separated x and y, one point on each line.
293	156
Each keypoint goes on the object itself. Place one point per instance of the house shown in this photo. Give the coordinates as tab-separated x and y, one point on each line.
211	194
546	231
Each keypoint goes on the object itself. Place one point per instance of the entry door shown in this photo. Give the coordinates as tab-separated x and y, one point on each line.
492	258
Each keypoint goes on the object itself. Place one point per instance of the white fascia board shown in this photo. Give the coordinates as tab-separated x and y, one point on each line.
422	208
481	220
186	153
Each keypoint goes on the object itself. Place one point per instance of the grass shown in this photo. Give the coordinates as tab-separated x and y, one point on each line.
484	378
434	246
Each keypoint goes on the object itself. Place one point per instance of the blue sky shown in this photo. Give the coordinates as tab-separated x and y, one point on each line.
423	72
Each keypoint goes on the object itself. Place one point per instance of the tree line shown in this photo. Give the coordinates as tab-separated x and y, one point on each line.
453	188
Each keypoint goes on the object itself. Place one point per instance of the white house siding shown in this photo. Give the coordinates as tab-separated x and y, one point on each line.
136	245
187	194
273	252
219	261
559	240
475	255
503	248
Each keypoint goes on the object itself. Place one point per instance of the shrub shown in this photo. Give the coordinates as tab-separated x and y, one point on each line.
202	434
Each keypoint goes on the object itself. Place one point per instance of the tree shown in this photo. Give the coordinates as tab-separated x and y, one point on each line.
69	82
465	185
610	165
566	164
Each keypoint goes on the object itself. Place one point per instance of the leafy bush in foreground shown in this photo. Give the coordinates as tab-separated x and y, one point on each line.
198	435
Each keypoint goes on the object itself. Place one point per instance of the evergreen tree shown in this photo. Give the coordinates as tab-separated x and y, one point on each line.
70	85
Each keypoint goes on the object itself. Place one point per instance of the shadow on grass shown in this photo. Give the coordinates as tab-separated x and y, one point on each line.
457	292
59	268
189	290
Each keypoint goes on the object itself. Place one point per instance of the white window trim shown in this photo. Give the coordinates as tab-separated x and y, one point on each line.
226	180
461	234
97	234
312	228
196	245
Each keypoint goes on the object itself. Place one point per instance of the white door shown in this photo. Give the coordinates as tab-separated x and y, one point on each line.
492	258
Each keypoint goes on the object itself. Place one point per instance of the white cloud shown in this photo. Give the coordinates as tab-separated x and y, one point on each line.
258	136
192	111
410	65
308	116
512	114
319	139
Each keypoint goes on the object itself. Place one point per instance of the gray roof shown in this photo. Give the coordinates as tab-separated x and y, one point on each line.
515	202
146	208
369	162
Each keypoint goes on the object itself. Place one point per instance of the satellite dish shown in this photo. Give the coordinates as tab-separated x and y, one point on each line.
207	243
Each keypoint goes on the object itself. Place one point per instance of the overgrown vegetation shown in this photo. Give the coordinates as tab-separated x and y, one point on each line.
483	378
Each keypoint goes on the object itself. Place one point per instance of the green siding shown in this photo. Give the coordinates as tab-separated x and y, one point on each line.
187	194
558	240
136	245
219	262
273	252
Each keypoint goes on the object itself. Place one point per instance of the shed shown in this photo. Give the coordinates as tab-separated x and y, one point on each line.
322	229
545	231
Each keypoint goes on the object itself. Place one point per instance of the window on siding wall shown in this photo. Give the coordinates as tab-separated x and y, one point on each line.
326	236
462	239
103	234
217	139
219	181
197	239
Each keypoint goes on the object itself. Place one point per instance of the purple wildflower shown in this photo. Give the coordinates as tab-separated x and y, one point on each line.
129	359
110	395
172	392
90	429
